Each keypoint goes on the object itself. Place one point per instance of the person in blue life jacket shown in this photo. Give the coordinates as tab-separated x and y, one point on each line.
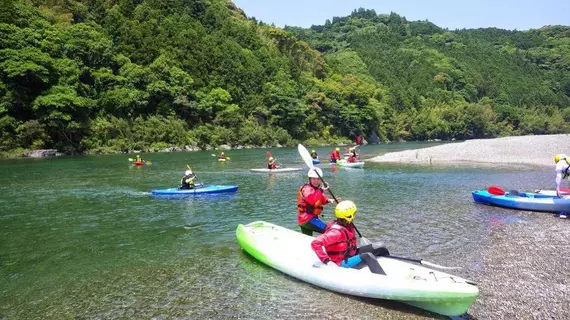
187	181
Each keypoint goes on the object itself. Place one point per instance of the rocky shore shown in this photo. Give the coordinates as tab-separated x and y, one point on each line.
531	150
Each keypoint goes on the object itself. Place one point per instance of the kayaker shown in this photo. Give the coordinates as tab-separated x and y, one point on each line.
352	157
138	158
562	172
271	163
337	246
187	181
222	156
310	201
314	154
335	155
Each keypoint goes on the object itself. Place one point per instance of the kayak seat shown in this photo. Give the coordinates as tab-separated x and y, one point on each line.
377	249
370	260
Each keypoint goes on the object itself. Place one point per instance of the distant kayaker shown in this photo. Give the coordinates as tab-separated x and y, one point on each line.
187	181
222	156
138	158
562	172
314	154
335	155
271	163
310	201
337	246
353	156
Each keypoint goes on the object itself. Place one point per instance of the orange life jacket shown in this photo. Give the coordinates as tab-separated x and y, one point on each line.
307	211
345	248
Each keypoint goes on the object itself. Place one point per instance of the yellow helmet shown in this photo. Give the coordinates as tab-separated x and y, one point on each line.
270	158
345	210
351	149
559	157
222	153
337	149
313	150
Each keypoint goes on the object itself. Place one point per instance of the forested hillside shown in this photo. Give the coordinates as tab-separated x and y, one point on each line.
453	84
108	76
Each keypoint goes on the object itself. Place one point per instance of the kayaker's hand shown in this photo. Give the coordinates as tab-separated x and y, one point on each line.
325	186
558	193
331	264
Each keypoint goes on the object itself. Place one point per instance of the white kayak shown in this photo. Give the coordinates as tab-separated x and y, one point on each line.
344	163
278	170
290	252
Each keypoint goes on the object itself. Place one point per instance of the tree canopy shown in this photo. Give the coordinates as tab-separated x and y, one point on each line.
100	76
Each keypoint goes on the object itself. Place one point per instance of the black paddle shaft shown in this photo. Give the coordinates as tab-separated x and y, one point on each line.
335	199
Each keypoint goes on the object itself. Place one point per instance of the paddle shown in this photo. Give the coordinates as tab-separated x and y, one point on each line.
494	190
280	165
227	158
421	261
144	161
306	156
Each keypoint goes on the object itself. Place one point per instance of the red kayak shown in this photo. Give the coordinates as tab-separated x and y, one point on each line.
138	163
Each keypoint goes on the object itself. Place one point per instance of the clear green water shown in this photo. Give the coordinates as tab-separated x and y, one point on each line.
82	237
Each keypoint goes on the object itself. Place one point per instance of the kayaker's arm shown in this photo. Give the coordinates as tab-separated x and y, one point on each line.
322	241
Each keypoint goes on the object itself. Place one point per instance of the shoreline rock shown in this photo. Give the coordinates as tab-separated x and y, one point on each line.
43	153
529	150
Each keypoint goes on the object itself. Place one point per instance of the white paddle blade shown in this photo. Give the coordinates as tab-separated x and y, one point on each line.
363	241
306	156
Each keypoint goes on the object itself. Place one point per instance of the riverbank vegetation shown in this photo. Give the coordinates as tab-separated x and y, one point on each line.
100	76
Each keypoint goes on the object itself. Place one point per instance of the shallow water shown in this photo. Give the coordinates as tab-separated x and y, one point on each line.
82	237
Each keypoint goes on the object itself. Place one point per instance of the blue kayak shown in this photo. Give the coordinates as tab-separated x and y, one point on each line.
208	188
316	161
523	201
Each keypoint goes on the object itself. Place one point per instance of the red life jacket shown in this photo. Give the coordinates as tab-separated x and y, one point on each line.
345	248
271	165
307	211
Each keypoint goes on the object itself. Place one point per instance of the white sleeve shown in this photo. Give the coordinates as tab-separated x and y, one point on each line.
560	166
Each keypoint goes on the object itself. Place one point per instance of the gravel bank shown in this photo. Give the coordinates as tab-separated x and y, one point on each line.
531	150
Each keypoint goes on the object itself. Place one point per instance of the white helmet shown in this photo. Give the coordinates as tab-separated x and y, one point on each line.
187	172
313	173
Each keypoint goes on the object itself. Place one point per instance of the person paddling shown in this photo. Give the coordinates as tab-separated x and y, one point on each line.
337	246
187	181
353	157
335	155
310	202
139	159
314	154
271	163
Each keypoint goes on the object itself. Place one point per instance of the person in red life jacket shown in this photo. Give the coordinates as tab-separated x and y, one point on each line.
335	155
352	157
310	202
271	164
337	246
222	156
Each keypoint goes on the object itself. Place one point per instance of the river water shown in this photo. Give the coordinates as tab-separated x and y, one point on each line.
82	237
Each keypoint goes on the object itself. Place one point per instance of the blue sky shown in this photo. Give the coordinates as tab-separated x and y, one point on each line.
451	14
